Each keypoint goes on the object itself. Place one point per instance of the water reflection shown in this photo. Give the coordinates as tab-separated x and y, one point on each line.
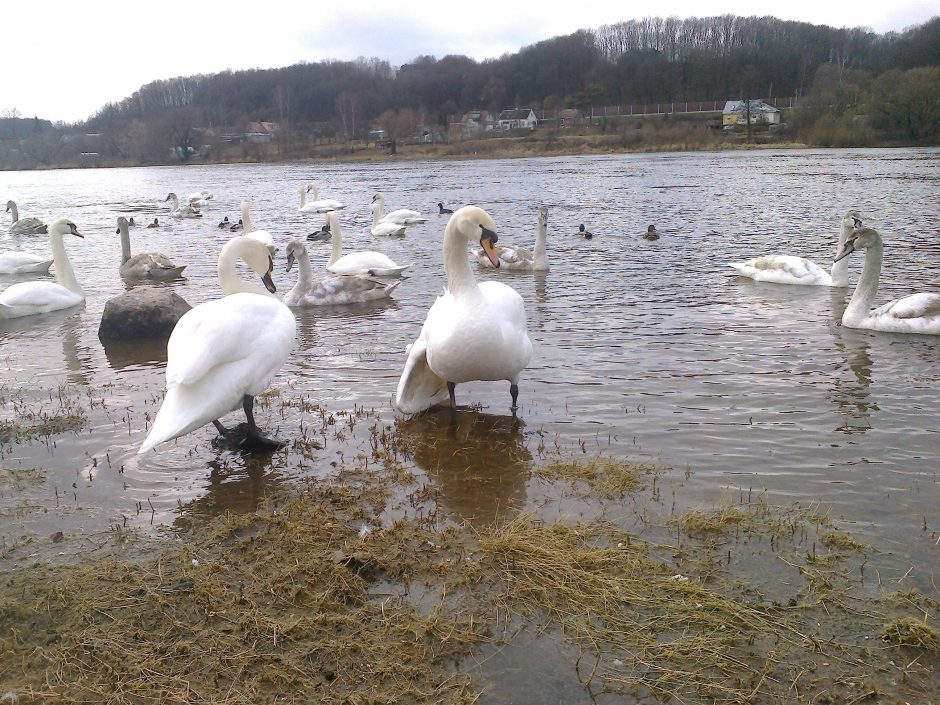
851	395
237	483
77	356
478	461
122	354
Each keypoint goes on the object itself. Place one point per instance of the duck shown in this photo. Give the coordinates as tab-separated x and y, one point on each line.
317	205
403	216
149	265
154	224
35	297
240	225
474	331
369	262
131	223
25	226
320	235
19	262
178	211
651	233
520	258
249	230
225	352
334	289
225	223
444	211
916	313
382	228
584	232
790	269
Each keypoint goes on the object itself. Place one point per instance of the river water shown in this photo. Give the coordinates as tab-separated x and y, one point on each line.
651	350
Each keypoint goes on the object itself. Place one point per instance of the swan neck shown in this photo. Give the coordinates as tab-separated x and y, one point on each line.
15	212
337	238
304	277
125	245
64	274
247	227
840	270
460	280
303	198
541	260
867	287
228	275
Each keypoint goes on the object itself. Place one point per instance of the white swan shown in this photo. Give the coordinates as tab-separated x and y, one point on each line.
403	216
317	205
18	262
262	236
25	226
198	199
224	352
30	298
334	289
178	211
917	313
149	265
369	262
789	269
520	258
472	332
382	228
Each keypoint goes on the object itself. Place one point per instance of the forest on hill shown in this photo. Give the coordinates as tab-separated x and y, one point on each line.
852	85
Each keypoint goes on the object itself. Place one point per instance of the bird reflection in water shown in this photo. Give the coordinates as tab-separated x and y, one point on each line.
851	396
478	461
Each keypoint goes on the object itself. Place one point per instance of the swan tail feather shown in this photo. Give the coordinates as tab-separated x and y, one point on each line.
419	387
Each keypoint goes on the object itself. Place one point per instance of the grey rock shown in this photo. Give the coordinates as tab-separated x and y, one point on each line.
142	312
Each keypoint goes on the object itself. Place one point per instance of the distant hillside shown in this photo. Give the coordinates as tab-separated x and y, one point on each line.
641	61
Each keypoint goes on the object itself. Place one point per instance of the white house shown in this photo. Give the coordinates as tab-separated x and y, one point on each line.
735	113
517	119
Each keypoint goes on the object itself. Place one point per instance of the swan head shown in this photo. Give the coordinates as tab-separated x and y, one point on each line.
257	256
852	220
473	222
543	216
378	198
171	197
861	239
295	248
64	226
10	206
122	224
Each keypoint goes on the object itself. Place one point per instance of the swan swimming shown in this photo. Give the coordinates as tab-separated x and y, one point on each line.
916	313
789	269
368	262
382	228
149	265
520	258
334	289
198	199
18	262
317	205
178	211
472	332
25	226
31	298
403	216
223	353
262	236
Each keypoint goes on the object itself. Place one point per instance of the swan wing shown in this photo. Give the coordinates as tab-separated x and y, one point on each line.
911	307
219	352
403	216
419	387
16	262
369	262
347	289
30	298
783	269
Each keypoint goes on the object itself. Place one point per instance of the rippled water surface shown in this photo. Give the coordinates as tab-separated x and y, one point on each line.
647	349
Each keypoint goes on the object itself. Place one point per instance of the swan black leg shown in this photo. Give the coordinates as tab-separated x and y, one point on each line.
255	439
451	386
514	393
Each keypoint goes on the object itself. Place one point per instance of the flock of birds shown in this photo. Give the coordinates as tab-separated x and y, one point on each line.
222	353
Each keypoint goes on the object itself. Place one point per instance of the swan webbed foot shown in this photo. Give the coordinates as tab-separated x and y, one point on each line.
246	437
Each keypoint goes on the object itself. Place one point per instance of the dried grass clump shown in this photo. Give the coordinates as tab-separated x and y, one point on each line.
696	523
911	632
604	477
842	541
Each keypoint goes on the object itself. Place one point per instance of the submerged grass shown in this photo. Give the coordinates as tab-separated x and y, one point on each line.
608	478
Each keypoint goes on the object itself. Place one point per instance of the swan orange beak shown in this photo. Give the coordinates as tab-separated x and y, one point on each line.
487	240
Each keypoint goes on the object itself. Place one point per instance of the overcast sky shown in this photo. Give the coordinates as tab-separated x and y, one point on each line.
62	60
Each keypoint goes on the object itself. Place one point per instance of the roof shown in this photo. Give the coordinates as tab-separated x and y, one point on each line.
738	106
515	114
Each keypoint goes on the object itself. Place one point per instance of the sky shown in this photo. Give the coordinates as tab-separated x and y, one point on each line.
62	61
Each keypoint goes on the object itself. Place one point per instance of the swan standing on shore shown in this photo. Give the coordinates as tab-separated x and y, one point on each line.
520	258
917	313
262	236
368	262
149	265
178	211
26	226
472	332
403	216
334	289
31	298
225	352
789	269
